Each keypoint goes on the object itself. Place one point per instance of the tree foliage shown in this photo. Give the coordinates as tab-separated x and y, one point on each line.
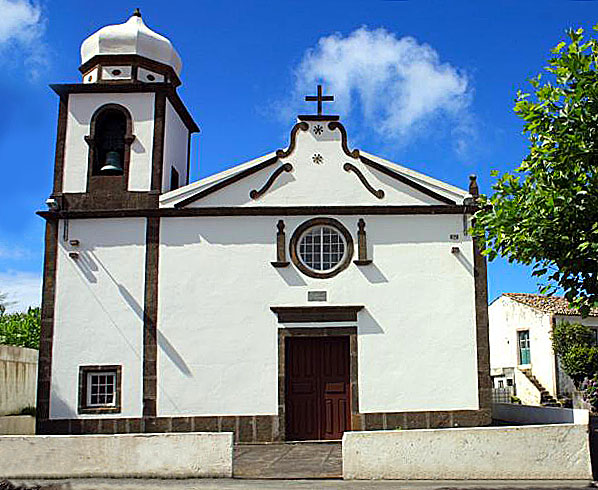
575	346
4	302
545	213
21	329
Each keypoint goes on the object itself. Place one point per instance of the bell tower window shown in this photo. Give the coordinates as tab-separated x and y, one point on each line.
111	129
109	141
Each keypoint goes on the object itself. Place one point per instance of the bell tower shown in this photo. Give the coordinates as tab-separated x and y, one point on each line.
123	133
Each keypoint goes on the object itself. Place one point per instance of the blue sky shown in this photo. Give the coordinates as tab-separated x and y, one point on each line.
437	97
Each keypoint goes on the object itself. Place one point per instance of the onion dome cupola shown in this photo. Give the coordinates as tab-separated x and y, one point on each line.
129	52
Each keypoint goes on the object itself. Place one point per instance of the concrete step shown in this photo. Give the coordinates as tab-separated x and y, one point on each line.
296	460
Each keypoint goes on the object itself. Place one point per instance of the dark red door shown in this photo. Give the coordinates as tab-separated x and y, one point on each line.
317	387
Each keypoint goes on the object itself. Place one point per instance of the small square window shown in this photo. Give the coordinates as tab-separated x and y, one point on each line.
99	389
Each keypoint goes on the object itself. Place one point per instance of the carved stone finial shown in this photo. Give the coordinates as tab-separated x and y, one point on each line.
137	13
473	186
361	225
280	226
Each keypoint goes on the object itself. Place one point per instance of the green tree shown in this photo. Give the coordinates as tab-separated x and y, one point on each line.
4	303
545	213
575	346
21	329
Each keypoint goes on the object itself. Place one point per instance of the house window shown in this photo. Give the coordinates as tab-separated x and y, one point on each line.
509	382
99	389
523	342
321	247
501	383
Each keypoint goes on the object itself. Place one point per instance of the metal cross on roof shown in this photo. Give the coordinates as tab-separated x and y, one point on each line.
319	99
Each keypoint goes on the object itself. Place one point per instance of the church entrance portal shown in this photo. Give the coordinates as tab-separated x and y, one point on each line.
318	388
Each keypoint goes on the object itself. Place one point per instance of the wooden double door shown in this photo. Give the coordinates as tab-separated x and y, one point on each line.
318	394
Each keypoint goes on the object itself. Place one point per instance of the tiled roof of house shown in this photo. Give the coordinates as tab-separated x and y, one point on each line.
556	305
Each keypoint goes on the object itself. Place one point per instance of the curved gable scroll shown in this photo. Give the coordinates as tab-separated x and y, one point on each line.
301	126
337	125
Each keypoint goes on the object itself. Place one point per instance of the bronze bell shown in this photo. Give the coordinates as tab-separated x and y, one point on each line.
113	164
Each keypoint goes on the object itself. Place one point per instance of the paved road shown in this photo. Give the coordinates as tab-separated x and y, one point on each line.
239	484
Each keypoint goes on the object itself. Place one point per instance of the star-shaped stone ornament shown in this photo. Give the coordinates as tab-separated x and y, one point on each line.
318	129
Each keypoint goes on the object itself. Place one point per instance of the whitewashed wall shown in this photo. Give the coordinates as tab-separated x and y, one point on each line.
506	317
217	341
325	183
99	309
81	108
175	147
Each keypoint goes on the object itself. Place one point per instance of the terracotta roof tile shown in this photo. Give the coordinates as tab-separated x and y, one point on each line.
556	305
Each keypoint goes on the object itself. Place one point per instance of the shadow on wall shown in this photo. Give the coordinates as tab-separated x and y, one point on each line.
59	407
90	265
367	324
373	274
290	275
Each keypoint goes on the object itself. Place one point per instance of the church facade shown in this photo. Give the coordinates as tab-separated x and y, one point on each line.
313	290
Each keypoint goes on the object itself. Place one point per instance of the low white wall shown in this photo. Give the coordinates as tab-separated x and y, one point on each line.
534	452
18	378
17	425
525	390
527	414
185	455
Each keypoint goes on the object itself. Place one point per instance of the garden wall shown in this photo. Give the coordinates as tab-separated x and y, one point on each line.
18	378
185	455
533	452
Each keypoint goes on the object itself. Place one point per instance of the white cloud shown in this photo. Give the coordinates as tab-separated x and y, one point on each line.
23	289
14	253
397	84
22	26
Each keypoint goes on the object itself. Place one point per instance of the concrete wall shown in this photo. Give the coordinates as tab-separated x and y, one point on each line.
525	414
540	452
218	339
99	310
133	455
17	425
80	111
18	378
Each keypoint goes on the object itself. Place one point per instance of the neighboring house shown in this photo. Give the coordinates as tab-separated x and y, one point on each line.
310	291
521	354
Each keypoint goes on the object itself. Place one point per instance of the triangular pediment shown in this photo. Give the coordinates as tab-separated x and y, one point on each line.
317	169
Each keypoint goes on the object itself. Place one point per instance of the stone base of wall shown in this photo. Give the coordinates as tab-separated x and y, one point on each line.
537	452
259	428
192	455
426	420
17	425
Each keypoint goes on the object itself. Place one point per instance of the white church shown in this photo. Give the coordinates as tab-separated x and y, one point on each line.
310	291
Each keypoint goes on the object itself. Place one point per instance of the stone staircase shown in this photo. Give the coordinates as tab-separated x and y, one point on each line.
546	398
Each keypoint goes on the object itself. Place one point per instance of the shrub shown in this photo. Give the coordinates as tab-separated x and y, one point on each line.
576	349
21	329
590	391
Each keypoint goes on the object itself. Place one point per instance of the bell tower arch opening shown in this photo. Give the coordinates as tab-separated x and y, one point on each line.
109	140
